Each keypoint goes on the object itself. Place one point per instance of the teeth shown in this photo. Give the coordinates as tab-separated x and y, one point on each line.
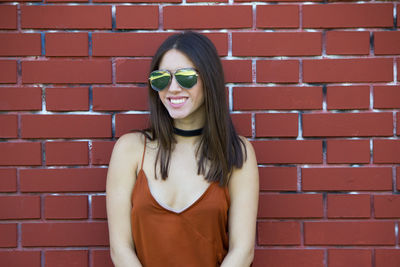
177	101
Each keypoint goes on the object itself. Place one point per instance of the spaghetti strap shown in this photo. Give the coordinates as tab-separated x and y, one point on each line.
144	151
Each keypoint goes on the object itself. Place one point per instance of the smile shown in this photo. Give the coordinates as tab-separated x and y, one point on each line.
177	100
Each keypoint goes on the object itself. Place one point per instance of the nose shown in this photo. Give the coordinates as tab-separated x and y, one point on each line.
174	85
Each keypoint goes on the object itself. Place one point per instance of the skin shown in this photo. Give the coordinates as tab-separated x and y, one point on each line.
183	185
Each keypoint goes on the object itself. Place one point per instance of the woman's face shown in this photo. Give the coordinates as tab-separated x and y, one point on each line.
185	106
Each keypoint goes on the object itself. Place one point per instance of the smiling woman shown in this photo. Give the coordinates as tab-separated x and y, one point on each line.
185	191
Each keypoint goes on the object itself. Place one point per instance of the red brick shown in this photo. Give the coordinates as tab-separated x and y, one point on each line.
346	179
63	180
278	233
387	206
276	43
398	69
351	15
288	151
67	153
66	1
220	41
20	258
8	17
386	151
65	17
8	232
66	71
101	152
21	153
278	178
398	123
120	98
237	71
207	17
127	44
20	44
67	44
349	206
279	98
398	18
347	43
20	98
386	43
197	1
386	96
137	17
242	123
349	233
136	1
67	98
8	71
66	126
65	234
348	124
276	124
278	16
66	207
387	257
348	151
8	180
132	70
349	257
347	97
21	1
278	71
290	206
99	207
101	258
125	123
289	257
9	125
66	258
19	207
348	70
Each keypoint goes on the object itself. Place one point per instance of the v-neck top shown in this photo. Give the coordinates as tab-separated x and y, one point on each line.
196	236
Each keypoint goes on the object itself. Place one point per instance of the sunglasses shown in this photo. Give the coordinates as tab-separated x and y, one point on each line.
160	79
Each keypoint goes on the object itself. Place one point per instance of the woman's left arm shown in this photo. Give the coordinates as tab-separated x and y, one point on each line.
243	190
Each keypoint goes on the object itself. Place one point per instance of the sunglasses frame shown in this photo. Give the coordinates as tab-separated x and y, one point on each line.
171	75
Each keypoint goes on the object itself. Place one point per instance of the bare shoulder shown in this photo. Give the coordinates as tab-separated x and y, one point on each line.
249	170
250	153
129	142
126	155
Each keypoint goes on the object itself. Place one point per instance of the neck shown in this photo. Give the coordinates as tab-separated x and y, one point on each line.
188	133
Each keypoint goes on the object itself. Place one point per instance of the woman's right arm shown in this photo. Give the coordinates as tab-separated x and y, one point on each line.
121	177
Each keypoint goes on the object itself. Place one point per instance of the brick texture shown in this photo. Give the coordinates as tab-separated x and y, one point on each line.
347	43
66	17
368	15
349	233
314	86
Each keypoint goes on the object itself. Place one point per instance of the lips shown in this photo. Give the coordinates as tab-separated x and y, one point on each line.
177	102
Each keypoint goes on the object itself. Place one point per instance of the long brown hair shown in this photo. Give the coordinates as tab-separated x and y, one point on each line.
220	148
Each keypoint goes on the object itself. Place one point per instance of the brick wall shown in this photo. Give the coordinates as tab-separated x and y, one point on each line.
314	85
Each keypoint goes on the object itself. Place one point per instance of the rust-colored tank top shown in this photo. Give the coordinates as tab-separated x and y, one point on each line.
193	237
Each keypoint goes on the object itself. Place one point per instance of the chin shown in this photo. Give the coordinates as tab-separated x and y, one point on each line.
178	115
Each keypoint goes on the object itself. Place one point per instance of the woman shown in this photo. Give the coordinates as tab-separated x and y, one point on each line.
185	191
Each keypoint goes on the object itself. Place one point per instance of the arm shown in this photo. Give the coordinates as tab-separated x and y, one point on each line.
243	189
121	177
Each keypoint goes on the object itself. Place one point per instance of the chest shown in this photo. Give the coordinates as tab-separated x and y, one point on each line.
183	187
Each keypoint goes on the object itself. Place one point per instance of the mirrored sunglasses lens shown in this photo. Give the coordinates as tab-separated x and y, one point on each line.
159	80
186	78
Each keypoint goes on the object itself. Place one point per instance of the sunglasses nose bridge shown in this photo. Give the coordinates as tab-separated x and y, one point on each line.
174	85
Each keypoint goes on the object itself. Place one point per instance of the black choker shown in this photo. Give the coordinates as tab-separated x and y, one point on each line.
188	133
